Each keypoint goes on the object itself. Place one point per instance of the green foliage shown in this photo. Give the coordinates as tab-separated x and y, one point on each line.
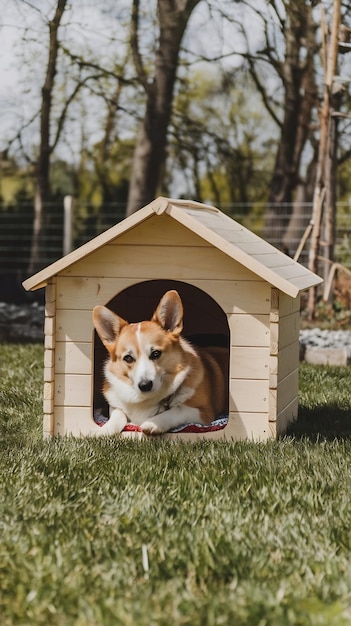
218	137
335	316
16	182
342	247
237	533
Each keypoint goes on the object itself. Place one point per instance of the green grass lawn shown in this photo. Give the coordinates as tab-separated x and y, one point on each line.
239	534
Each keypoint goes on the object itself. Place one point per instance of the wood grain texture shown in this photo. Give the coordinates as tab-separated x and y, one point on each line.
248	396
73	390
249	330
287	416
249	363
145	262
233	296
77	421
287	391
73	358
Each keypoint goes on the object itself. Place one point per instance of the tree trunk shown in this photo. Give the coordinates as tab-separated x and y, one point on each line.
299	100
329	222
150	150
301	214
45	149
326	149
103	160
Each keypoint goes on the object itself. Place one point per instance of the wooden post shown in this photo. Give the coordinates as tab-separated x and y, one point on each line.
67	224
330	49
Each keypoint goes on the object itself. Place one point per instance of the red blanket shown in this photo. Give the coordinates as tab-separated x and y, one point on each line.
217	424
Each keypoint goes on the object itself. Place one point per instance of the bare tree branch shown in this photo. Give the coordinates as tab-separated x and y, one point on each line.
18	137
81	63
134	44
65	108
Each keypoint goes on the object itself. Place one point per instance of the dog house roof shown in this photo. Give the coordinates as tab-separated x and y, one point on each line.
213	226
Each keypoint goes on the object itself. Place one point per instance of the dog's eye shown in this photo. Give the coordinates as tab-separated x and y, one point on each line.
155	354
128	358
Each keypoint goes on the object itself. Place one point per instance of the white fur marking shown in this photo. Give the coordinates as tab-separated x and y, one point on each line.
115	424
170	419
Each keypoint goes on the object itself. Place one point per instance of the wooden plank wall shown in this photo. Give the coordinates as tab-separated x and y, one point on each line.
287	361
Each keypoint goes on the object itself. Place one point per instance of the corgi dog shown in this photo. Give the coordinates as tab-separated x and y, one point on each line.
155	378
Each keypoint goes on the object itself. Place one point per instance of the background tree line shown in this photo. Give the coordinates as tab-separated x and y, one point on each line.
210	99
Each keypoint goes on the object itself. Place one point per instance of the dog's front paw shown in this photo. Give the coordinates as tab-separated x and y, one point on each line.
113	426
150	428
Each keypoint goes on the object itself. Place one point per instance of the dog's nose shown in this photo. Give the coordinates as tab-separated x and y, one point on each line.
145	385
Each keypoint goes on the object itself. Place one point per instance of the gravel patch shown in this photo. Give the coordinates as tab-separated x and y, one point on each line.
325	347
317	338
21	322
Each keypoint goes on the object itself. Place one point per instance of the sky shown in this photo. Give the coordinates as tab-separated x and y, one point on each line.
86	26
9	86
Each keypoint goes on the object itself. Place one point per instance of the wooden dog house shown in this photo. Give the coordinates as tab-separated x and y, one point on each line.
237	290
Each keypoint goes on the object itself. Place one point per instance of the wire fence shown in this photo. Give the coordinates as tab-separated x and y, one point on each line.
16	226
16	231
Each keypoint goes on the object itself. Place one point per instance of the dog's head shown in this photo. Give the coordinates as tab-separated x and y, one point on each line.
147	355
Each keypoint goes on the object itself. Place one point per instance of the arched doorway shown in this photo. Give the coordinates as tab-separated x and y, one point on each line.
205	322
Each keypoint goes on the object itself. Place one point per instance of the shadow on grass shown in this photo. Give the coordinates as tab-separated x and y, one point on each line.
326	423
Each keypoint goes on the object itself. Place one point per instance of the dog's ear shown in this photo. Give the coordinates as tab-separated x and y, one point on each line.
169	313
108	325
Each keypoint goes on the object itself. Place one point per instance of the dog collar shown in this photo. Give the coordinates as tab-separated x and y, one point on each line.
165	404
